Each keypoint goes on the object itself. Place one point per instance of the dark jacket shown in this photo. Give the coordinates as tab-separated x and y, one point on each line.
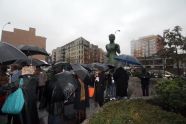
121	81
51	102
100	87
145	78
120	76
78	104
29	113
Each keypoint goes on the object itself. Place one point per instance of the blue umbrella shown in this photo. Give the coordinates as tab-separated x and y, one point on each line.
128	59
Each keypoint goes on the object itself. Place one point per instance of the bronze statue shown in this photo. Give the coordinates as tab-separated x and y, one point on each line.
112	49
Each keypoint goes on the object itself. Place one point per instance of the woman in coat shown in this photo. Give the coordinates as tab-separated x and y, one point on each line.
121	81
100	83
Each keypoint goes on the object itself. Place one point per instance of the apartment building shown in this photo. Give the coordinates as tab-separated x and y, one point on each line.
146	46
78	51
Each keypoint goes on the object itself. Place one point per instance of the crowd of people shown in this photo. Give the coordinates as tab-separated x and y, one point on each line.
39	89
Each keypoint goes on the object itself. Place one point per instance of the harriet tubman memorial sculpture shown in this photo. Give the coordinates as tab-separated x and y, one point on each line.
112	50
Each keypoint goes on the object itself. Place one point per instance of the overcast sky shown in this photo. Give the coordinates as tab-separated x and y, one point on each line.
62	21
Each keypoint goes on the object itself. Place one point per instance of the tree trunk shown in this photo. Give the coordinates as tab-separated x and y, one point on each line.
164	65
178	66
177	62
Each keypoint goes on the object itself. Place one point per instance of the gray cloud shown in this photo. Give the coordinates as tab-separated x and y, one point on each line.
62	21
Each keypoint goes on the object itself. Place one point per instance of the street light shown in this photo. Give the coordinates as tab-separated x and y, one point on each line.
117	31
3	28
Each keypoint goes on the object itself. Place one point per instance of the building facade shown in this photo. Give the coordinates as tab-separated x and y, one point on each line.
101	56
146	46
24	37
94	53
78	51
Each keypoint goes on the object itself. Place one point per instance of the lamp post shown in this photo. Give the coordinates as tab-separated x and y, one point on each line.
3	28
116	31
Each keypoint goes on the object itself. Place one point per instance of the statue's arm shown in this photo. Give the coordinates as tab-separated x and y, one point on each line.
107	51
107	48
117	48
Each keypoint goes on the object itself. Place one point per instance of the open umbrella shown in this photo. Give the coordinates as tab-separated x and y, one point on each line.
60	66
88	67
62	87
82	73
127	59
110	66
9	54
29	61
32	50
100	66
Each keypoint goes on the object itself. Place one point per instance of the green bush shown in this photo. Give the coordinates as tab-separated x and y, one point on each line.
135	111
171	94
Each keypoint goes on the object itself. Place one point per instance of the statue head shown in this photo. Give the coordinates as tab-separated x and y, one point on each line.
111	38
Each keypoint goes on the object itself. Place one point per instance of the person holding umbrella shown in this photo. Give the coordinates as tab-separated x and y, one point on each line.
100	82
42	78
82	94
60	88
81	101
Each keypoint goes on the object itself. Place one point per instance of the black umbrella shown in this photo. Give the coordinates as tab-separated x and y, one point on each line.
9	54
82	73
110	66
88	67
32	50
100	66
63	86
37	62
60	66
29	61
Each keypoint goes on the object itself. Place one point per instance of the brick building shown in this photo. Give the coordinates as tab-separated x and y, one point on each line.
78	51
19	37
146	46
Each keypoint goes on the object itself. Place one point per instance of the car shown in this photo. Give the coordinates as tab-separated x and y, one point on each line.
168	75
155	73
161	74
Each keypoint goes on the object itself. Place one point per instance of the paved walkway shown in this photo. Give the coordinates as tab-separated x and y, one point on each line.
134	89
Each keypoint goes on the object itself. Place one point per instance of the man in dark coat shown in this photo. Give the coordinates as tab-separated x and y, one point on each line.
121	80
100	88
145	79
